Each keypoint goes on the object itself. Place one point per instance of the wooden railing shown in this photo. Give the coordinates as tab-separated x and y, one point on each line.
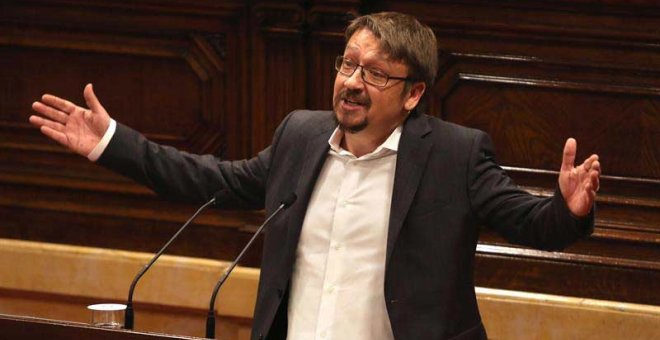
57	282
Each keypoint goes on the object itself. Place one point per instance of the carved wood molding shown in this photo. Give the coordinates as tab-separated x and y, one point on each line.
627	208
201	57
299	17
83	26
572	258
279	17
544	20
52	195
327	20
516	70
630	282
120	200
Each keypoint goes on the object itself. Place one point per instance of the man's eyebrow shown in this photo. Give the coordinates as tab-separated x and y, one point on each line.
379	61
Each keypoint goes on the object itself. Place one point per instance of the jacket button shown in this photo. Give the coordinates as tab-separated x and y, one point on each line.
393	301
261	336
280	292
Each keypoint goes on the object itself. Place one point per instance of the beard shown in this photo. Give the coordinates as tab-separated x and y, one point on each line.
354	96
353	128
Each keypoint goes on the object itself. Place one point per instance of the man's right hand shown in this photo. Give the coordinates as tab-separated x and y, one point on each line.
75	127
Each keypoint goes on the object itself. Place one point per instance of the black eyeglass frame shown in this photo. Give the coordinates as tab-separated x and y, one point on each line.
339	61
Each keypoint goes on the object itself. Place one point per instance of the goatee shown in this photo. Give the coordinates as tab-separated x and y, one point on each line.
353	128
354	96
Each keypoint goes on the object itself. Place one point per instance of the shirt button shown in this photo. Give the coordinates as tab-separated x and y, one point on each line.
322	334
336	247
331	289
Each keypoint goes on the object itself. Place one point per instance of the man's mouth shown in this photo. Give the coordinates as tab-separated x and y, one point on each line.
352	101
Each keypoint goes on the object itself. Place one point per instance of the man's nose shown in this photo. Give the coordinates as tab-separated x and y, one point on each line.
355	80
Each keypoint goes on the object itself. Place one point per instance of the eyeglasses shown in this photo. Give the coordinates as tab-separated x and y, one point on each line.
371	76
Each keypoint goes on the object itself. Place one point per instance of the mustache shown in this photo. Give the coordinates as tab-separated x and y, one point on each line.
358	96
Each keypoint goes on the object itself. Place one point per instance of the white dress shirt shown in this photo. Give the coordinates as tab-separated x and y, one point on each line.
337	288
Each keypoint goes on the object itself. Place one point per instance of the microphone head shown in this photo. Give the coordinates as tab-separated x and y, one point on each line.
289	199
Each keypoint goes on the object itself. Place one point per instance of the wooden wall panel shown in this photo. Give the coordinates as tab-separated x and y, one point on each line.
167	68
529	121
326	23
219	76
277	66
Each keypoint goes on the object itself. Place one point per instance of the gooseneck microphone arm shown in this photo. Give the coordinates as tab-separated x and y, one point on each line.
210	318
128	314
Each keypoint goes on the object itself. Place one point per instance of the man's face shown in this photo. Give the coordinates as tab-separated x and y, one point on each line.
360	106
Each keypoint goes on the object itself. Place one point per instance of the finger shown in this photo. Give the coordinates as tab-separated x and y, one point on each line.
592	197
568	159
596	166
91	99
587	163
39	121
595	180
50	112
55	135
592	182
59	103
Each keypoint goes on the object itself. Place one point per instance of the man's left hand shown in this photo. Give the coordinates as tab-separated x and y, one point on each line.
578	184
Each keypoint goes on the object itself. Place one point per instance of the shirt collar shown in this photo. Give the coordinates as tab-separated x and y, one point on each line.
391	143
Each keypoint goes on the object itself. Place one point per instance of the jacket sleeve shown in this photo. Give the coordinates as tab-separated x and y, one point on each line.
182	176
543	223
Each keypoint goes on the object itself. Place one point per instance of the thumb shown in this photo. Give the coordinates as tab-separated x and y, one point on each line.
568	160
91	100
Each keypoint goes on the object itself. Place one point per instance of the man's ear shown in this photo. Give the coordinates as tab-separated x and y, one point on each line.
415	94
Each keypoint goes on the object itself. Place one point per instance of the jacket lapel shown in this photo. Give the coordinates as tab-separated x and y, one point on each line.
314	156
410	164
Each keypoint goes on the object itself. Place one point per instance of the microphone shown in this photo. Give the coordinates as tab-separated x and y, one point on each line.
128	313
210	318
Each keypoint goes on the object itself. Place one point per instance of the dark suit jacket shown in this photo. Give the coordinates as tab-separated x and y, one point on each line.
446	185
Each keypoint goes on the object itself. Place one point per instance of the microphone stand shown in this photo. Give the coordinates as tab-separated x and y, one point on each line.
210	318
128	314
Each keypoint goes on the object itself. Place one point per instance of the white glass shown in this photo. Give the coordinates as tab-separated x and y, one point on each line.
108	315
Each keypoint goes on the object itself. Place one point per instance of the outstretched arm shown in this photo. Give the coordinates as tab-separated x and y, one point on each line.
545	223
73	126
578	185
173	174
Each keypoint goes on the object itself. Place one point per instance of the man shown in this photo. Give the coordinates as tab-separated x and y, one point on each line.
381	242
